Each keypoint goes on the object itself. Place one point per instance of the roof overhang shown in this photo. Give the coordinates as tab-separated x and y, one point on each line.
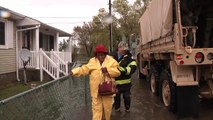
24	21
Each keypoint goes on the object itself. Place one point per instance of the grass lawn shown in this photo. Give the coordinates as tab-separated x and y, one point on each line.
13	90
16	88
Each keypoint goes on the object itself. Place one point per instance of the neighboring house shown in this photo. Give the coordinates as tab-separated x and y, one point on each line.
18	31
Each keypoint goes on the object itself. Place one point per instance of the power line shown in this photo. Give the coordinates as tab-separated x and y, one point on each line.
64	22
73	22
61	17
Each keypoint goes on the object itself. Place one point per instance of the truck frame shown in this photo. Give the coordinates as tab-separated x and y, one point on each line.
171	54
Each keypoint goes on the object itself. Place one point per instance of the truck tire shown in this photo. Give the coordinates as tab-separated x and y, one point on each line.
141	76
168	91
154	84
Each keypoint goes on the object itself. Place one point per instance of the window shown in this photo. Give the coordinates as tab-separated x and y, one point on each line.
2	33
46	42
6	34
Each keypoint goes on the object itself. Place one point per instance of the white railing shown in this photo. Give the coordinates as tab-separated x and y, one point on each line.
65	56
32	62
63	66
48	65
51	62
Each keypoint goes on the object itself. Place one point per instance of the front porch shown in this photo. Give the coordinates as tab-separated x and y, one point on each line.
54	63
42	41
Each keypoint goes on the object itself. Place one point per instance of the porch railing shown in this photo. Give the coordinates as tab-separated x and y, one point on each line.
63	66
48	65
50	61
33	60
65	56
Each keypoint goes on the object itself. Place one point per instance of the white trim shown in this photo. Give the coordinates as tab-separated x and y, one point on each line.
56	44
9	34
3	47
37	46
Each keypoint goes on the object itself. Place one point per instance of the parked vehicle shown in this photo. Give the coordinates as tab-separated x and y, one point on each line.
176	50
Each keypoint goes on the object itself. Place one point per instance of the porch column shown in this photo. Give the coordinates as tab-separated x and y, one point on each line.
56	47
20	38
71	48
56	44
37	47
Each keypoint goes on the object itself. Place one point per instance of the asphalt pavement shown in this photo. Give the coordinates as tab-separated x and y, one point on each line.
146	106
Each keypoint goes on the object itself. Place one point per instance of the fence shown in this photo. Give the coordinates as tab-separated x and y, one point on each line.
63	99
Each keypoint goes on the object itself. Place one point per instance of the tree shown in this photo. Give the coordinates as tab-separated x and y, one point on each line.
125	25
82	34
93	33
127	16
102	29
63	44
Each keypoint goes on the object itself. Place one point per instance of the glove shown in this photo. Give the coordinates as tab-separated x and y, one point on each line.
104	69
122	70
71	73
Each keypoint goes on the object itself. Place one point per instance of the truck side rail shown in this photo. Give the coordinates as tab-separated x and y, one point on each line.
164	44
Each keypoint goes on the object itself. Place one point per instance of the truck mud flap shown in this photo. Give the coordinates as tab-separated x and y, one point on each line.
187	101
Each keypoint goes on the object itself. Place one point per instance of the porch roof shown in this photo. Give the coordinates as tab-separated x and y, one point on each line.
53	29
23	21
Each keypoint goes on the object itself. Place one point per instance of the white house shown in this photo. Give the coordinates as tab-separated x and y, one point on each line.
18	31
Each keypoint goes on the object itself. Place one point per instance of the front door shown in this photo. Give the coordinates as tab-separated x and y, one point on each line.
27	39
46	42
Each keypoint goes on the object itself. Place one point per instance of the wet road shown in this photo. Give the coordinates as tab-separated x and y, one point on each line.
146	106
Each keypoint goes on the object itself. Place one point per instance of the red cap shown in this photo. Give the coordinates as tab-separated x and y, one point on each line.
100	49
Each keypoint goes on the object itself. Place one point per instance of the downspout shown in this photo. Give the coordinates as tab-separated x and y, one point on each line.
17	53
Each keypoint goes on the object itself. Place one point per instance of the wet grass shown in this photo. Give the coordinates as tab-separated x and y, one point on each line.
12	89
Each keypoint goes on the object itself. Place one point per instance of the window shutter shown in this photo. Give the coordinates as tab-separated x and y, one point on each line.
9	34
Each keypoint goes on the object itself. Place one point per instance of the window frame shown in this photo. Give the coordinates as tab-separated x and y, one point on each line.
5	44
9	37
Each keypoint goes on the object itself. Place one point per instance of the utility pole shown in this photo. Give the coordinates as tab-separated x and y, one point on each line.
110	28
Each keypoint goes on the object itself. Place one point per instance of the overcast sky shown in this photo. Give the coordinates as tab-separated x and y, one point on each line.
70	13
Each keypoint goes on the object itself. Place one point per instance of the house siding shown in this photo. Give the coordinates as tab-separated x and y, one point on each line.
8	58
7	61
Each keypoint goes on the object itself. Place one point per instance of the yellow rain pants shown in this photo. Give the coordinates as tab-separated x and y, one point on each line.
102	105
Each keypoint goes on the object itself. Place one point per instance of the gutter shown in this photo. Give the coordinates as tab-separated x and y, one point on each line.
17	53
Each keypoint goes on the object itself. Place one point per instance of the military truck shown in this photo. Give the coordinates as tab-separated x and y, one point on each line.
175	52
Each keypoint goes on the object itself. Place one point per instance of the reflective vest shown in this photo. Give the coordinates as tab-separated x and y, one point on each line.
127	67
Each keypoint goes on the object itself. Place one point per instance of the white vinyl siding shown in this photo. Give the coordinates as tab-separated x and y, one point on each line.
8	57
7	61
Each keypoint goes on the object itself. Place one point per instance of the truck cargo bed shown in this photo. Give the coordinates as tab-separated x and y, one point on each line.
161	45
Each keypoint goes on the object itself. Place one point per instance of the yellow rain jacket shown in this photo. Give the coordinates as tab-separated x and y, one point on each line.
93	68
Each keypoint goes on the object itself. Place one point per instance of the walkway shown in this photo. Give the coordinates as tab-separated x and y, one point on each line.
69	99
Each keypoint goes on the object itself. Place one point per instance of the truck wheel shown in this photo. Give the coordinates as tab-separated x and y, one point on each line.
153	84
141	76
168	91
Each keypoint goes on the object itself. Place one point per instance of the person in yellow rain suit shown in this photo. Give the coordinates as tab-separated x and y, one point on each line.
97	66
